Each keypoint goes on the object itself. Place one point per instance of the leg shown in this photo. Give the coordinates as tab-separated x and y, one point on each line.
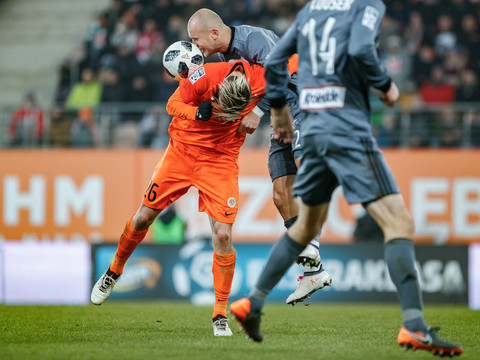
287	206
285	202
397	225
135	230
314	275
282	256
223	267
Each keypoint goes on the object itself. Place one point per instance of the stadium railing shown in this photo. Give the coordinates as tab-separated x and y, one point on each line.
129	125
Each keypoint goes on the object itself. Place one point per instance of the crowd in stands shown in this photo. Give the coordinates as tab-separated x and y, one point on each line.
431	48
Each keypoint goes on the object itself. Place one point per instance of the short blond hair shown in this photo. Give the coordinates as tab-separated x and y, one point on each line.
233	97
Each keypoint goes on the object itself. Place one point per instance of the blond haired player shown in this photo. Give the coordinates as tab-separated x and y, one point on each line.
203	152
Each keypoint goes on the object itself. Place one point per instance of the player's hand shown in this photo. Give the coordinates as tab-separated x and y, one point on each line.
391	96
249	123
282	124
204	111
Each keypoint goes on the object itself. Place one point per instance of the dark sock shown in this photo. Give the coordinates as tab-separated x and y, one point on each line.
400	259
290	222
282	256
113	275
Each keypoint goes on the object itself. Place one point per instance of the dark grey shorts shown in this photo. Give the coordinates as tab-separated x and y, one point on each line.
281	157
355	163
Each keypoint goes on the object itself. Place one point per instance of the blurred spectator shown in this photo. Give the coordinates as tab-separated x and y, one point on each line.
445	38
154	128
97	39
146	41
449	129
437	89
60	125
113	13
154	67
387	132
429	9
454	63
420	122
165	88
27	123
161	10
468	89
127	64
423	63
397	61
139	90
473	119
168	227
84	131
125	135
176	29
420	129
125	33
64	84
398	10
87	92
389	27
414	33
469	36
113	90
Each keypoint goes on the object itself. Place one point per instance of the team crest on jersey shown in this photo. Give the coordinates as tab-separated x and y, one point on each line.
231	202
370	17
197	75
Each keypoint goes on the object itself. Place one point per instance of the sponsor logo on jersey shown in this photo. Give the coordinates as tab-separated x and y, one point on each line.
197	75
322	98
370	17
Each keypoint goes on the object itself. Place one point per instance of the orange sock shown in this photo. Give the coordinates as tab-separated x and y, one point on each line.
127	244
223	268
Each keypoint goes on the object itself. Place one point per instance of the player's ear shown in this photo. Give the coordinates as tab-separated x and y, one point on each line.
214	32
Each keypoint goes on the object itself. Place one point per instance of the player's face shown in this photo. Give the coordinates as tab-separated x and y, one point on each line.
203	39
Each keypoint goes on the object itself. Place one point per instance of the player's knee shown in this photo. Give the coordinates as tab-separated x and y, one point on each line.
401	225
223	236
141	221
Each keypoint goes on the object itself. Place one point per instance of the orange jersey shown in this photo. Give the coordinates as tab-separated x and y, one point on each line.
212	135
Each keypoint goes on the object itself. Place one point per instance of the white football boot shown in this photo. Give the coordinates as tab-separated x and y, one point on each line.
102	289
220	327
308	284
309	256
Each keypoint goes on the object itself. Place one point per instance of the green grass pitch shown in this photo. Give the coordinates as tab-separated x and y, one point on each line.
167	330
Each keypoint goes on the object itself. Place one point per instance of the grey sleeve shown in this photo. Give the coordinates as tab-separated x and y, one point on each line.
362	43
259	45
264	104
276	74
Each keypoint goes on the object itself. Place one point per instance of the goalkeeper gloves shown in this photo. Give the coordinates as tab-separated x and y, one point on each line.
204	111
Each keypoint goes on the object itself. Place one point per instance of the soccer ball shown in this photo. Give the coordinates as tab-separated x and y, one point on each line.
181	59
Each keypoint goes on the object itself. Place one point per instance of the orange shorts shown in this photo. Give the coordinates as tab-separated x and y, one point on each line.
213	174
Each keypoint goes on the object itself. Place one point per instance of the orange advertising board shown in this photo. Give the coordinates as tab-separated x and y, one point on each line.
69	195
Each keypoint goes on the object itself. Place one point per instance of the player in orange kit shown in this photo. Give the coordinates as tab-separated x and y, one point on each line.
203	152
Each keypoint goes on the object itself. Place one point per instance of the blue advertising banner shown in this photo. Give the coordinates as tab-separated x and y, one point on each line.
358	271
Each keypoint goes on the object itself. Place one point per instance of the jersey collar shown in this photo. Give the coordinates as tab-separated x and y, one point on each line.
231	41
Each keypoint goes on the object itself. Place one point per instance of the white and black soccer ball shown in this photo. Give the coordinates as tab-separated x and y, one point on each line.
181	59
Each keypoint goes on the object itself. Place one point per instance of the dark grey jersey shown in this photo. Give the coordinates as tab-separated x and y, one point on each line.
250	43
338	62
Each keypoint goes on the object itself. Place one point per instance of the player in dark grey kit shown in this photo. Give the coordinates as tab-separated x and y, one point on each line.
338	63
255	44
